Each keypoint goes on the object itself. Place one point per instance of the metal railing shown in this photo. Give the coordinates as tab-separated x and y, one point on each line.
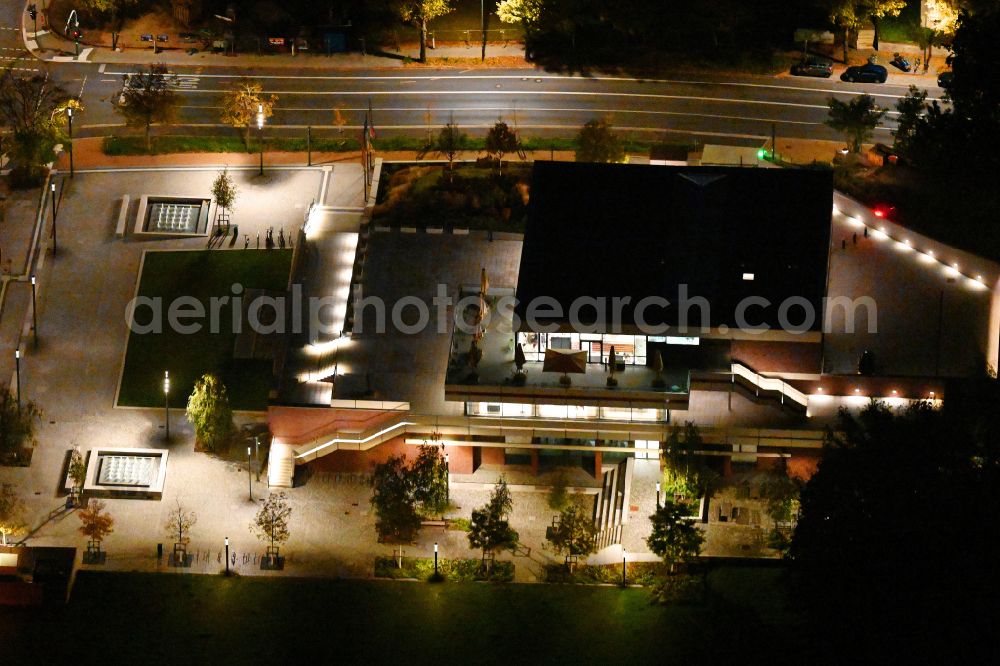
772	385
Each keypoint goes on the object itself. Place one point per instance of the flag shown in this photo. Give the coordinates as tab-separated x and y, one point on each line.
370	120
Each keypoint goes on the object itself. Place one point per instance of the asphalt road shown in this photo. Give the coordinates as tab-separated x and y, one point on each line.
538	103
699	106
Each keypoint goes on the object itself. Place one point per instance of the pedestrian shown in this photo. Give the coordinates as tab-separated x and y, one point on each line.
258	240
855	238
866	232
246	241
916	65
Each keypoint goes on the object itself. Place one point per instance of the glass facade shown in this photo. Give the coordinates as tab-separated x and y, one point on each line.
629	349
582	412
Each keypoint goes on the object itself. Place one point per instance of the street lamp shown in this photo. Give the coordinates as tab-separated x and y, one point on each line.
482	25
34	311
52	189
623	566
69	116
256	454
227	556
435	558
166	401
260	135
447	471
17	364
249	478
657	495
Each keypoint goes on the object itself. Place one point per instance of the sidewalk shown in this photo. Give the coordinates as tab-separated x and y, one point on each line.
88	155
50	46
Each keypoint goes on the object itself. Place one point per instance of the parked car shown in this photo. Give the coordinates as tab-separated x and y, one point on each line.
899	62
945	79
813	67
865	74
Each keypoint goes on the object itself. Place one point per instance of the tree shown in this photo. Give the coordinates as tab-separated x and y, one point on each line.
490	529
558	497
242	102
891	526
77	472
396	517
911	110
17	424
420	12
271	523
449	142
114	8
575	534
502	140
148	98
850	15
525	12
597	143
11	512
179	524
224	190
429	479
927	38
209	411
96	523
856	119
674	538
27	103
686	477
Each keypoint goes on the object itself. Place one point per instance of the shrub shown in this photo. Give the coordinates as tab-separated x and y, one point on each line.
464	570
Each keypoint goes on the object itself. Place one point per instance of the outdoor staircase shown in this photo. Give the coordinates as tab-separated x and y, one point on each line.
280	466
611	505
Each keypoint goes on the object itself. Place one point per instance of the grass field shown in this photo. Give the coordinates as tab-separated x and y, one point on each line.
201	274
128	618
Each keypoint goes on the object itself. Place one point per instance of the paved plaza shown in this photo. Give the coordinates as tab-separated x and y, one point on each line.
73	372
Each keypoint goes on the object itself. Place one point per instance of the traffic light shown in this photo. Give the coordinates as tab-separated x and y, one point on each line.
77	34
32	12
762	154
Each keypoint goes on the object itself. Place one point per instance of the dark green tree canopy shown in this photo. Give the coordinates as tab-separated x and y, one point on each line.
891	528
396	517
674	537
491	528
596	142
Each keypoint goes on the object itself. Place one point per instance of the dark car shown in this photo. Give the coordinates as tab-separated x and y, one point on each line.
945	79
813	67
865	74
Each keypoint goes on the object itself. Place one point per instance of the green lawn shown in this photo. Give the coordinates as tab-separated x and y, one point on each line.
201	274
902	28
159	618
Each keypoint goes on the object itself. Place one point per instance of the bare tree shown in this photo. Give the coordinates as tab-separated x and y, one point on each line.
27	104
148	98
271	523
179	523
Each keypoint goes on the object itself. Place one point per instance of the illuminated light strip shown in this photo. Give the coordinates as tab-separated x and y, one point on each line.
338	440
927	257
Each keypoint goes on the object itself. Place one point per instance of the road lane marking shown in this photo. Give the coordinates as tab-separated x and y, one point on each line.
422	126
511	93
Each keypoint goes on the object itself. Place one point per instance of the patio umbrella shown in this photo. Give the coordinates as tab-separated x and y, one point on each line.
566	361
519	359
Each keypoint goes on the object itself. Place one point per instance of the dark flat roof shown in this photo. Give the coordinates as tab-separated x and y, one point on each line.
606	230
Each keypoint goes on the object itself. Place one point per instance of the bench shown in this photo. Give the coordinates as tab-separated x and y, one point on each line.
434	523
122	216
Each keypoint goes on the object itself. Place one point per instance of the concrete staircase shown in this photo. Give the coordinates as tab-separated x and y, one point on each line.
612	503
280	466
